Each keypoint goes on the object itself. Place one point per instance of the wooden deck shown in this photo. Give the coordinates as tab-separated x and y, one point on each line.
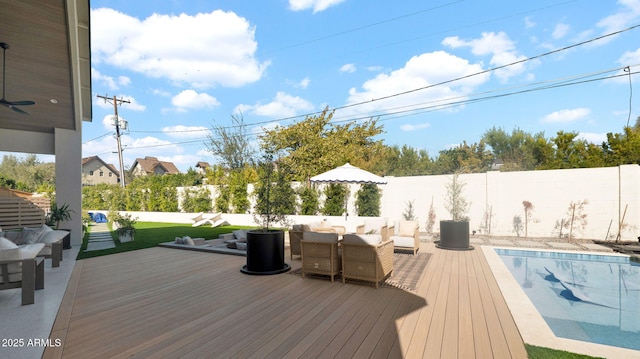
163	302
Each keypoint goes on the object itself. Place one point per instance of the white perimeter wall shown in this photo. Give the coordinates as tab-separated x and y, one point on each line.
608	190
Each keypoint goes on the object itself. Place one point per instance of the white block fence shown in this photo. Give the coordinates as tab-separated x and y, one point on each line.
612	193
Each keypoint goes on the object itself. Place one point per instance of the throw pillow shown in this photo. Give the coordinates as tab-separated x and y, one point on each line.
188	240
7	244
407	228
179	240
30	235
240	234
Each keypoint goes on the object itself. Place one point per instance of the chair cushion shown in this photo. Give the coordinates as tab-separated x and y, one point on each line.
7	244
240	234
403	241
373	226
369	239
407	228
320	237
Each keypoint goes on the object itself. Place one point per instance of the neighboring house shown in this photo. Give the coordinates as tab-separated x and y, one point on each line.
201	167
95	170
152	166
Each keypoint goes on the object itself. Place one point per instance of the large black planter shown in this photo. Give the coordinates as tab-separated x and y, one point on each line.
454	235
265	253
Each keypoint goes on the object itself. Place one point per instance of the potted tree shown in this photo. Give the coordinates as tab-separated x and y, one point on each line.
454	233
125	227
56	216
265	246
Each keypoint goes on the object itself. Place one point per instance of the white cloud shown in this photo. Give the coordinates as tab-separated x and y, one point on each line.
627	15
181	131
283	105
420	126
528	23
316	5
566	115
498	45
348	68
560	31
595	138
107	81
202	50
191	100
304	83
132	104
419	72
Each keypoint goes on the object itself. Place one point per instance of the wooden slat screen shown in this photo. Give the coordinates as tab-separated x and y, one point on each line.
16	212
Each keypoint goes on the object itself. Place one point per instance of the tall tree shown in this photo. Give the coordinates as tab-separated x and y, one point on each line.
315	145
231	144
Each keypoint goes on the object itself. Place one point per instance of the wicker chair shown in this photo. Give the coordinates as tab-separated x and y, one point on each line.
320	254
295	236
366	258
408	236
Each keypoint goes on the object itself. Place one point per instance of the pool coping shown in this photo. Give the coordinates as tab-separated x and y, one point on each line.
533	328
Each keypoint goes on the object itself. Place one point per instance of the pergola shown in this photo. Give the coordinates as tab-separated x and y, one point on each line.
49	62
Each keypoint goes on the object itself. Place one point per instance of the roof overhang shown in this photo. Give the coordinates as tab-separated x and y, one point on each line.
49	62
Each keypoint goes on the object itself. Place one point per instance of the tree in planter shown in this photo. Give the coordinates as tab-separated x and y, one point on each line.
455	202
454	234
125	227
58	214
265	247
368	200
335	196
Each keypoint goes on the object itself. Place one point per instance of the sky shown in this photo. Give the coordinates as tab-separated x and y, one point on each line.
434	73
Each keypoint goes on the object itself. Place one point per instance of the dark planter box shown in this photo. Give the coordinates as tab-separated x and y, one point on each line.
454	235
265	253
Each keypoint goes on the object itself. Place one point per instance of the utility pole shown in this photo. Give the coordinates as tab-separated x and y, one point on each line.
116	102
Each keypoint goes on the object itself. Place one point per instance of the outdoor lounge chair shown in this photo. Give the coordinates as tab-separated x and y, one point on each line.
214	219
374	226
408	236
295	236
366	257
320	254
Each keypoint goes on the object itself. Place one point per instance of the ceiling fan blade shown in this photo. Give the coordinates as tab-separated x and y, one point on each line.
12	107
21	103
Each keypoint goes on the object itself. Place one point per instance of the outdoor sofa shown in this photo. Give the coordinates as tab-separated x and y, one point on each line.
52	239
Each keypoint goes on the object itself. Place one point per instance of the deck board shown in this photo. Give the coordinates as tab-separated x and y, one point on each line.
171	303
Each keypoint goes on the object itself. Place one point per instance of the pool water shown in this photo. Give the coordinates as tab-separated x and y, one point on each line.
592	298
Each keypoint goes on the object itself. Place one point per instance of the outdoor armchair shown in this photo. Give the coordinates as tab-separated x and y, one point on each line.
295	236
408	236
320	254
374	226
366	258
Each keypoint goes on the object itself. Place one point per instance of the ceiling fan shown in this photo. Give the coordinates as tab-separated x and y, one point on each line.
10	104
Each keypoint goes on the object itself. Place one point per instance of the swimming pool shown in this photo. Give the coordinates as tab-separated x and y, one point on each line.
585	297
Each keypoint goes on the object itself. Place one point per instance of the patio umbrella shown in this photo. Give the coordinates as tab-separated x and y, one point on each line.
348	174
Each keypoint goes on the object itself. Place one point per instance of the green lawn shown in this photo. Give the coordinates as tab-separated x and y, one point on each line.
149	234
535	352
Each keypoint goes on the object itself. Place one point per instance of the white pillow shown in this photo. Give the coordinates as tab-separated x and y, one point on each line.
179	240
7	244
407	228
188	240
240	234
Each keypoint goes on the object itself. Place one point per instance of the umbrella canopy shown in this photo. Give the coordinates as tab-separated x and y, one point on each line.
348	174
